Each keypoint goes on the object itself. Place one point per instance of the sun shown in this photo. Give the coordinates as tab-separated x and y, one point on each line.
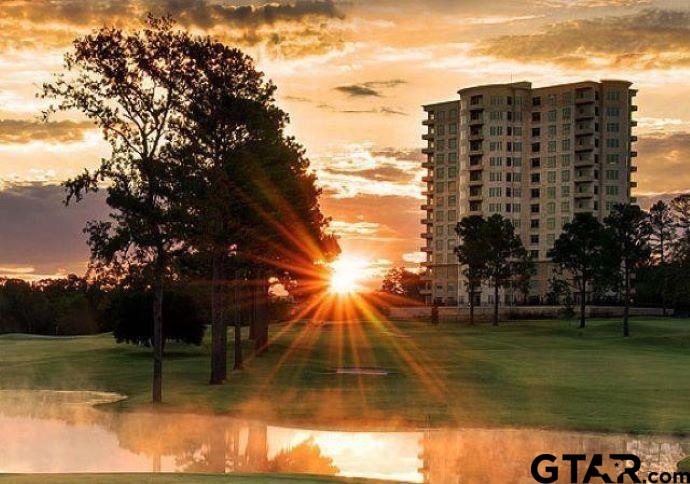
347	272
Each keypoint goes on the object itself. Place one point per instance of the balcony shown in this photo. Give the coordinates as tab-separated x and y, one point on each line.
427	179
633	138
633	108
429	150
584	160
584	129
428	136
426	249
633	123
633	154
426	235
583	96
633	184
584	144
427	263
428	193
428	121
582	194
633	199
582	207
585	112
428	207
633	168
476	182
584	178
476	120
427	221
428	165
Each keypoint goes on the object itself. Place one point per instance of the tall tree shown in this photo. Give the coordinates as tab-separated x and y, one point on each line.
662	233
253	199
524	269
630	230
502	248
131	86
578	251
680	206
471	255
402	282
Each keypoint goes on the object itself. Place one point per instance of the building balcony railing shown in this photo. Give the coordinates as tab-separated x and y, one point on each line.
428	136
585	112
427	206
427	221
633	138
633	168
428	151
427	179
475	182
426	235
587	160
583	207
426	249
588	178
428	121
633	123
428	165
476	120
583	194
633	107
586	145
633	184
633	154
584	96
584	129
428	193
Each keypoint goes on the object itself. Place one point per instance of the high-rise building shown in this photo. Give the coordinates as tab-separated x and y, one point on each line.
534	155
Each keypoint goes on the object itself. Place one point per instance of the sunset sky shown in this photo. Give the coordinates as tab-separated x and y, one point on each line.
352	75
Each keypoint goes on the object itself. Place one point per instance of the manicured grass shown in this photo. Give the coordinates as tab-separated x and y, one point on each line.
127	478
542	374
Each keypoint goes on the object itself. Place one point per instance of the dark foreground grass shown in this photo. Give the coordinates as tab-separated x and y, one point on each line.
128	478
542	374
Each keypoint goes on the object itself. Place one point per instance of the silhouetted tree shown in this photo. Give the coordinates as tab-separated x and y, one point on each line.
402	282
524	269
630	230
502	248
662	233
471	255
578	251
131	86
680	206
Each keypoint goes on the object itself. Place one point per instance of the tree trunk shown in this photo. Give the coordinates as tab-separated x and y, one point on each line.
157	384
495	304
583	301
239	364
219	343
626	308
664	275
261	314
251	306
471	305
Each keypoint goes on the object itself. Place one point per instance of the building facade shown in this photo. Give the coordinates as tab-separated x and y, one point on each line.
534	155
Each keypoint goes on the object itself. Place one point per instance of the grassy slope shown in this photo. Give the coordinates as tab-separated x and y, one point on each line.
546	374
127	478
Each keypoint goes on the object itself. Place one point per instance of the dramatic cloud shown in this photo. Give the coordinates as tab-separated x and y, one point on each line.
651	39
368	89
663	161
288	29
40	233
25	131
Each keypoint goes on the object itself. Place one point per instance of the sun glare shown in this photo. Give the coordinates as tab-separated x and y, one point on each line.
347	272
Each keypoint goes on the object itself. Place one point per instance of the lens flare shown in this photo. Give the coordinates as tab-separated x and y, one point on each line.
347	272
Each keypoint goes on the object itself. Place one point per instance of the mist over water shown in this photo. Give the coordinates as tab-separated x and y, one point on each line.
62	431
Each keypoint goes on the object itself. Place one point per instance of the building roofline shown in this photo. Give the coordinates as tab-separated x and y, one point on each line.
431	105
528	85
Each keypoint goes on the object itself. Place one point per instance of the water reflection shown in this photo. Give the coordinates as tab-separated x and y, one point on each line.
62	432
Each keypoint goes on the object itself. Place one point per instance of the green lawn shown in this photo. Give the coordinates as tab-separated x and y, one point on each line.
542	374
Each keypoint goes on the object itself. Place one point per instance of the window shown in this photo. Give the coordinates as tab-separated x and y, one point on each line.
536	117
613	95
438	216
613	143
534	254
565	175
517	146
535	163
496	115
551	207
440	145
536	132
439	230
551	116
534	178
439	157
534	223
496	130
453	114
565	159
517	161
565	145
534	239
613	127
613	112
496	161
534	208
566	113
534	193
612	174
496	146
565	206
551	191
452	200
551	177
453	128
453	144
438	187
452	157
550	239
494	192
565	129
612	190
453	172
516	208
452	215
535	147
551	223
439	173
495	176
552	130
613	158
565	190
536	101
552	146
551	162
440	130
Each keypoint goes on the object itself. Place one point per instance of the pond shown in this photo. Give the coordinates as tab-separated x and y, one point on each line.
62	431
